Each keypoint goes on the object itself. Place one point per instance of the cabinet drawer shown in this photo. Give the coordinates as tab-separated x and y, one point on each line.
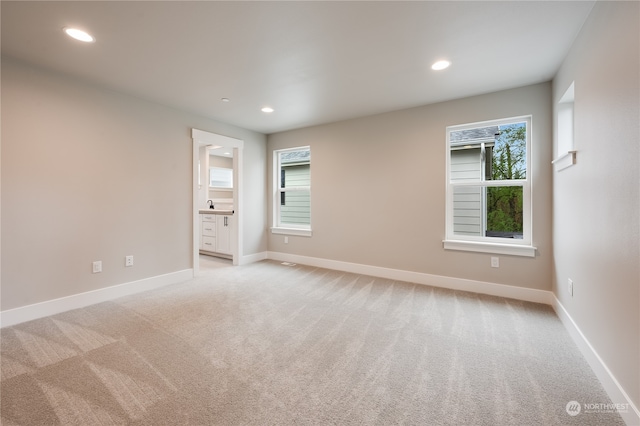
209	243
209	229
208	217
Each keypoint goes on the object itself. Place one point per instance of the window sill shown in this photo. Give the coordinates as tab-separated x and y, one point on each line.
292	231
565	161
493	248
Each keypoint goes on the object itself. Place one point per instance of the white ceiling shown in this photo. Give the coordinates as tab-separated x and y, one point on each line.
313	62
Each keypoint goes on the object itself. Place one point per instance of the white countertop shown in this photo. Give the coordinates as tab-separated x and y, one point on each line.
216	211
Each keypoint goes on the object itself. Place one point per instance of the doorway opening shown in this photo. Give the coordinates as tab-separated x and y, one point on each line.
217	182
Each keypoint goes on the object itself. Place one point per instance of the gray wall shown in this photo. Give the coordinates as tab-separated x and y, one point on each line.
596	201
89	174
378	189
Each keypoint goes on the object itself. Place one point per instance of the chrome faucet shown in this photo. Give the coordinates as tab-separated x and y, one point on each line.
210	203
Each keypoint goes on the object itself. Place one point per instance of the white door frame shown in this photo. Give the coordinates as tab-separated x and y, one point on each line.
200	138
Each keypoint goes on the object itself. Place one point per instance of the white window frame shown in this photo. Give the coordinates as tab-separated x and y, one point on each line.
287	228
483	244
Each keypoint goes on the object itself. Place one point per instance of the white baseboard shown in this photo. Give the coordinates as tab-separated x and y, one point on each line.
51	307
257	257
607	379
502	290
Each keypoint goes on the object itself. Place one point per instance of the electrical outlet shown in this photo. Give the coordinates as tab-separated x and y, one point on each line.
495	262
97	266
570	281
128	261
286	240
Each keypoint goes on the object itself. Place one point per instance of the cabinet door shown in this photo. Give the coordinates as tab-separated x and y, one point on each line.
223	234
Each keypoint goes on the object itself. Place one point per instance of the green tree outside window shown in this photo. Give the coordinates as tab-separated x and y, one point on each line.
504	204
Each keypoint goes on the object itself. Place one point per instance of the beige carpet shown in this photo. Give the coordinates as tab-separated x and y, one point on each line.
267	344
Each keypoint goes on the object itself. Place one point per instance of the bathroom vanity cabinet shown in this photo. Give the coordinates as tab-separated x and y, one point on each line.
215	232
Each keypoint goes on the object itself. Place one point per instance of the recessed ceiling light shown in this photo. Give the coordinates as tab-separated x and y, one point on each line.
227	153
268	110
440	65
225	100
79	35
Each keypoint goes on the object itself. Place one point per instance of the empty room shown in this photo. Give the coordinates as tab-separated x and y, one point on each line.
301	212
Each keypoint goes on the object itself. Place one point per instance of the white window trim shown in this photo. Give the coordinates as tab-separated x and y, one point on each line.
287	228
507	246
291	231
493	248
565	160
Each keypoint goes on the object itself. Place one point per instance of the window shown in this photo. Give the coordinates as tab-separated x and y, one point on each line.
566	155
220	177
292	183
489	187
